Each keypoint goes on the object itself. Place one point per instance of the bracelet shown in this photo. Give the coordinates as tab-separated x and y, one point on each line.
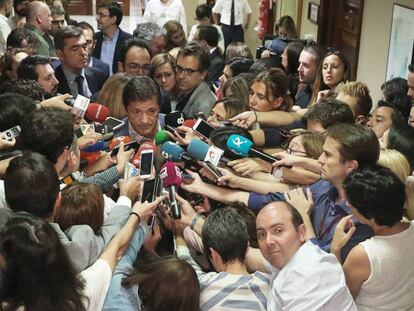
136	214
255	114
194	221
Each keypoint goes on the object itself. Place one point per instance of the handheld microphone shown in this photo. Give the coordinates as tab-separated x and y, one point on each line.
100	145
144	146
174	118
161	137
96	113
198	149
171	177
189	123
117	140
242	146
174	152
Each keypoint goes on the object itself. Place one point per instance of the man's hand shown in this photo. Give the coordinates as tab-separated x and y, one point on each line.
88	140
130	188
6	144
244	120
187	211
343	232
285	159
189	135
298	200
144	210
57	102
245	166
196	185
122	157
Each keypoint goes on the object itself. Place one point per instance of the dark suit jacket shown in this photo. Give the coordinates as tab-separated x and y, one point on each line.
123	36
216	66
94	77
97	63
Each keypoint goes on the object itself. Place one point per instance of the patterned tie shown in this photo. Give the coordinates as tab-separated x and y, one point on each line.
79	82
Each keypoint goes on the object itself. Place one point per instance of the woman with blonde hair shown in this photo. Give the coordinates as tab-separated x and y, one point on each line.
163	74
398	164
175	35
111	95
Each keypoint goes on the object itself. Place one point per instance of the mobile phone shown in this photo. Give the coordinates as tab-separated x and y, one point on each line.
187	178
113	123
217	83
132	145
203	128
174	130
11	133
148	191
145	165
212	169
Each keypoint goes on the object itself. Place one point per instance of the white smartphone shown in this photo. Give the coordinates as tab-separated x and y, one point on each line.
113	123
146	162
203	128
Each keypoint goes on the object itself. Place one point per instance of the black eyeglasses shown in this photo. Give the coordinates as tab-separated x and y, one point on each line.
144	68
186	71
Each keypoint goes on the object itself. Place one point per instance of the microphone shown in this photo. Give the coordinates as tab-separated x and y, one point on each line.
144	146
100	145
161	137
174	118
174	152
172	178
96	113
117	140
198	149
242	146
189	123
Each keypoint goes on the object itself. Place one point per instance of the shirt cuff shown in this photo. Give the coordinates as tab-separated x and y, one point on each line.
123	200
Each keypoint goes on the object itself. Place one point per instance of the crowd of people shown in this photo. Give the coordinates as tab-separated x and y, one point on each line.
169	169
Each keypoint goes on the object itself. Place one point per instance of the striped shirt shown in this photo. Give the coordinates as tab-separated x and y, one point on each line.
224	291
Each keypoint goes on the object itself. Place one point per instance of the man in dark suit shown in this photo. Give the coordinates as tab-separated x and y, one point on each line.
74	75
109	17
208	36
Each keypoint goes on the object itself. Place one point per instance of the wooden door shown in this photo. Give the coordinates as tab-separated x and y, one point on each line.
79	7
340	28
124	4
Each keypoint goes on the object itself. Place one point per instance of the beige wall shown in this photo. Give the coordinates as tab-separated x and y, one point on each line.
375	36
308	30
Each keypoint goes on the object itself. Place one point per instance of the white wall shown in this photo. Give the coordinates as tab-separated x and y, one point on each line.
375	37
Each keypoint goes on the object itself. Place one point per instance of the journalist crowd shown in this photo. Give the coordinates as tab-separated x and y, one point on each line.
181	169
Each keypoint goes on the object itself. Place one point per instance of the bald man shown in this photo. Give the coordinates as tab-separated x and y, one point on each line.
302	275
39	22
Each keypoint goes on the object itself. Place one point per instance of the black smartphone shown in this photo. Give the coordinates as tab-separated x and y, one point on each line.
212	169
203	128
174	130
132	145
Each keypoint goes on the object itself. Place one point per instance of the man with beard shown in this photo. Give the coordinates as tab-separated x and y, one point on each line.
74	75
5	10
20	8
38	68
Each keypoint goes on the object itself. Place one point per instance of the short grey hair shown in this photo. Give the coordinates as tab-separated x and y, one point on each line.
148	31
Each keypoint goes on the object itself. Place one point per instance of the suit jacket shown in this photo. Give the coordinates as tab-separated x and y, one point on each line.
201	100
94	77
97	63
216	66
123	36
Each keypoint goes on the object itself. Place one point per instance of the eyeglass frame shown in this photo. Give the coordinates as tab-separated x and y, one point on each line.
187	71
100	15
144	68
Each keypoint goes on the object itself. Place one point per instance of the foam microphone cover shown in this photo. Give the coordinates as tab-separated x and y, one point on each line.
190	123
117	140
144	146
239	145
96	113
98	146
174	118
172	151
161	137
198	149
170	175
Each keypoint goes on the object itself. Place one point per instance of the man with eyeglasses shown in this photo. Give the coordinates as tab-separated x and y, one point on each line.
134	58
111	38
192	66
58	20
73	74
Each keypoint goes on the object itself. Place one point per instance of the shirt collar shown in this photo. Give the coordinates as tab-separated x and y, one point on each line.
114	37
135	136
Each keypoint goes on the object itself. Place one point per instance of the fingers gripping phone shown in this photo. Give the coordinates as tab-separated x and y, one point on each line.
203	128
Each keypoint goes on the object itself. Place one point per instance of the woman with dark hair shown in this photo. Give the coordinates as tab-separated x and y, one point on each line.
37	272
395	92
333	70
286	28
239	87
225	109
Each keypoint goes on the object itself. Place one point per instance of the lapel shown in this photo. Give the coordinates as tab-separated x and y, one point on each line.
63	87
98	47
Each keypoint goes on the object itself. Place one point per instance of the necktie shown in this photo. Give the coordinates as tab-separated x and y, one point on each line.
232	13
79	82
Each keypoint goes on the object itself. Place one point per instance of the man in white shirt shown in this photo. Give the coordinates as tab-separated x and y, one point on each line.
303	276
5	10
234	14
